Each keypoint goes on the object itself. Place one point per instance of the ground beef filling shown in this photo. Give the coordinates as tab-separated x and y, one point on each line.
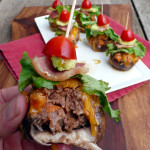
99	43
68	113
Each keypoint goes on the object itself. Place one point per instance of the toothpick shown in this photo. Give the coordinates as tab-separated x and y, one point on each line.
63	4
102	9
127	21
70	19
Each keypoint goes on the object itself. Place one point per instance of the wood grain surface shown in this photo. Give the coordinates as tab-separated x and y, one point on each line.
141	7
11	8
133	131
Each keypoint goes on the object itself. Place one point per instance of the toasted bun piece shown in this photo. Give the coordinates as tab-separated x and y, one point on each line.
81	138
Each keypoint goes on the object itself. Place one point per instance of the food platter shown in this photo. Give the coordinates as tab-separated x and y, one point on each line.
97	62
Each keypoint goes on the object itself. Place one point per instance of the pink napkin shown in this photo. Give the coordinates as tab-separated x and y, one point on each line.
12	53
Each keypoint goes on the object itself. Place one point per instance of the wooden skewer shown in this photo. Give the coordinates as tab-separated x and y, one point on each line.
63	4
127	21
70	19
102	9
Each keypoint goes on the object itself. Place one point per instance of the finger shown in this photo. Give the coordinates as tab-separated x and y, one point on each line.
12	142
8	94
12	114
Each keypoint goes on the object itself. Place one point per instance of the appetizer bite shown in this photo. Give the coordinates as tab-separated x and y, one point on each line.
58	19
101	34
64	106
86	16
53	13
62	24
127	52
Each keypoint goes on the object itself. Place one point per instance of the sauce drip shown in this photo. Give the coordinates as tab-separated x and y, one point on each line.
97	61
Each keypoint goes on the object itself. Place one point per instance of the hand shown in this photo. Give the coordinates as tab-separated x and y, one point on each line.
13	108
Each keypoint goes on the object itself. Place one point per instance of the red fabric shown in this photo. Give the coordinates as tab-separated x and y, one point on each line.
12	52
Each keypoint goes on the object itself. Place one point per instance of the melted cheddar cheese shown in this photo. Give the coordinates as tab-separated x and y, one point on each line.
37	101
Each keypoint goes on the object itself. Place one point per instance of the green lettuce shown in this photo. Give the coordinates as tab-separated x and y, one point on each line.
86	23
109	32
28	75
97	12
51	20
90	85
59	32
75	24
138	50
86	20
98	88
59	8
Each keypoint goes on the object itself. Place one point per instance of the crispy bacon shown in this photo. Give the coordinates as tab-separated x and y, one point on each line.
85	12
64	28
44	67
54	14
48	12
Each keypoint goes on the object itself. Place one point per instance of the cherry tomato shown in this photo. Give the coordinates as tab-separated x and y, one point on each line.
86	4
64	16
56	3
102	20
60	47
127	35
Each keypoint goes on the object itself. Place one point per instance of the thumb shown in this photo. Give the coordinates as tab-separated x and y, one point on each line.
12	114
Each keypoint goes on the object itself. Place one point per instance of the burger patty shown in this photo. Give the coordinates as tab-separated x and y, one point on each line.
123	61
66	118
99	43
70	115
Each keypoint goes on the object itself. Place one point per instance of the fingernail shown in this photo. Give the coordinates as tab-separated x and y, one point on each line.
12	109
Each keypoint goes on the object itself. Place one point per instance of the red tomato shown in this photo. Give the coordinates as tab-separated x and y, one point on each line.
127	35
56	3
86	4
102	20
64	16
60	47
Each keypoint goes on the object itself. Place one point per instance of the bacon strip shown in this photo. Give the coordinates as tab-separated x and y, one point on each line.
54	14
119	46
85	12
48	12
64	28
44	68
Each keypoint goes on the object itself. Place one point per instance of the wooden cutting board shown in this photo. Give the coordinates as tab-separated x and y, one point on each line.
23	25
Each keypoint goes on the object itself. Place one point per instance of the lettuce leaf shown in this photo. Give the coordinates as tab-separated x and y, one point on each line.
51	20
138	50
75	24
109	32
40	82
98	8
59	8
96	87
59	32
90	85
28	75
86	23
85	20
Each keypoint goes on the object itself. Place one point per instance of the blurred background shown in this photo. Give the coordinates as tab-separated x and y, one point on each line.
9	9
